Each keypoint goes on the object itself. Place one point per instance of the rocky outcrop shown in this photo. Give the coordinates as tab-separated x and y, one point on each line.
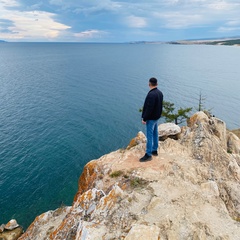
233	143
168	130
236	132
10	231
191	190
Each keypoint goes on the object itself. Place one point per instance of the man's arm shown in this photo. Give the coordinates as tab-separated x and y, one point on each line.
148	107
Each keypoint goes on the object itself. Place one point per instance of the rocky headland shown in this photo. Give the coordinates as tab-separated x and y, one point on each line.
191	190
223	41
230	41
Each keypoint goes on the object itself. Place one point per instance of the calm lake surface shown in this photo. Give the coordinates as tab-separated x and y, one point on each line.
64	104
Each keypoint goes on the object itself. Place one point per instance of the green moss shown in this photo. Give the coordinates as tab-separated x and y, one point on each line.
137	182
116	174
229	151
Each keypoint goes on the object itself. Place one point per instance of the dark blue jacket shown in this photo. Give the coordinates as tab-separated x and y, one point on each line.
152	108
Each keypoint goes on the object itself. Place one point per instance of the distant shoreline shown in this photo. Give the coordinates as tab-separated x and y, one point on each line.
225	42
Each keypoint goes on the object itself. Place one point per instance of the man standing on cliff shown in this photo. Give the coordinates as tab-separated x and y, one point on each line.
152	110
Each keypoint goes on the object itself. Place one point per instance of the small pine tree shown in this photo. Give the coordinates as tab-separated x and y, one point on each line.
170	116
201	107
200	102
176	117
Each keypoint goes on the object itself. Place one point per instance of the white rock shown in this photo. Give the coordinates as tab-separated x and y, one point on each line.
2	228
233	143
89	231
143	232
211	188
168	129
234	168
140	138
12	224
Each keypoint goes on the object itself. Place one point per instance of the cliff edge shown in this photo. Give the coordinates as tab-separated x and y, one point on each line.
191	190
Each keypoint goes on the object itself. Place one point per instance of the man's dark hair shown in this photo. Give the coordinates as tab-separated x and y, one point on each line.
153	81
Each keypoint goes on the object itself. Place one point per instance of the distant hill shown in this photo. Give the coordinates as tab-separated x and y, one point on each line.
230	41
227	42
2	41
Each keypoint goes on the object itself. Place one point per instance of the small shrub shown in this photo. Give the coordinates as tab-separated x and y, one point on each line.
116	174
137	182
229	151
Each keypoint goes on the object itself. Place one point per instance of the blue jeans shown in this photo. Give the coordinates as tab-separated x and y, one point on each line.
152	136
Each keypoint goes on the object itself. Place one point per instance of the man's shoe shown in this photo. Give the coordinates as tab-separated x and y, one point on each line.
145	158
154	153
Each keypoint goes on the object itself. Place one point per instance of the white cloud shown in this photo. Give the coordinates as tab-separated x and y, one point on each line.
223	5
233	23
56	2
86	6
35	25
90	34
8	3
98	6
184	14
228	29
29	24
176	20
230	26
136	22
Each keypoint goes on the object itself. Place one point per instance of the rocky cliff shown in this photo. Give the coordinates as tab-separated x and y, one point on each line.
191	190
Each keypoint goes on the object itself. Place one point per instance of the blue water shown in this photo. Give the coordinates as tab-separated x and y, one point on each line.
64	104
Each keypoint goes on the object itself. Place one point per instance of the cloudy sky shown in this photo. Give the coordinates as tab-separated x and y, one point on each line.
117	20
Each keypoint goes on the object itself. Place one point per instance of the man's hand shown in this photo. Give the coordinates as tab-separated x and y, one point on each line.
143	122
